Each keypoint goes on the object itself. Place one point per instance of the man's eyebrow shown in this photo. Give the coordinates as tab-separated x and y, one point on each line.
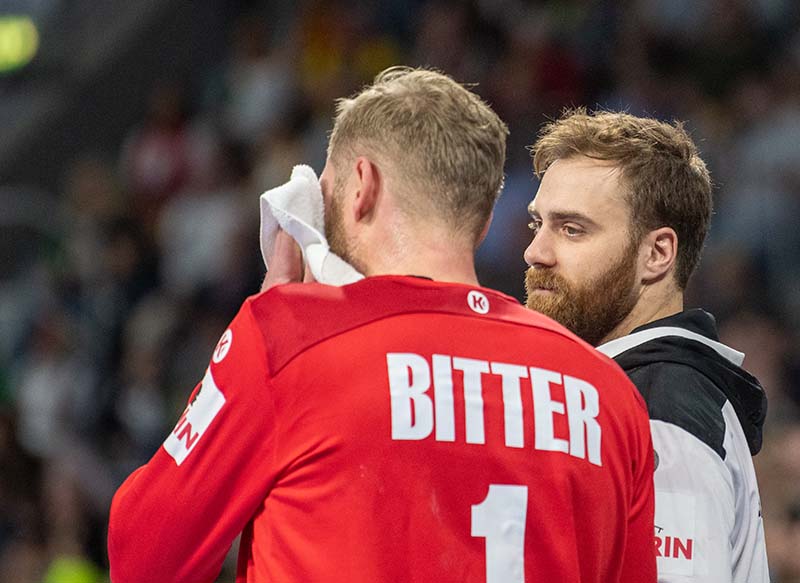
565	216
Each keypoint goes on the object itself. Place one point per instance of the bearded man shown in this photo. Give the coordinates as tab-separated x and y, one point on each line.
618	226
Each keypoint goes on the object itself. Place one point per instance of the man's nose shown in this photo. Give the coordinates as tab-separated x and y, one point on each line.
540	252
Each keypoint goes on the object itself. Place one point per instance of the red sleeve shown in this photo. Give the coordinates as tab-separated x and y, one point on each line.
174	519
639	562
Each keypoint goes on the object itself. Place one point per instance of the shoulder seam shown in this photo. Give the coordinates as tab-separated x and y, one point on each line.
694	437
616	347
268	379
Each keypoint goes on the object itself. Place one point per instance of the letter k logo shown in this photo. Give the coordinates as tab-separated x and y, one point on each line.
477	302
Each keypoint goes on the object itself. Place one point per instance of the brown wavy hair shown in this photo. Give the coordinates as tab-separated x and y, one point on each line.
666	181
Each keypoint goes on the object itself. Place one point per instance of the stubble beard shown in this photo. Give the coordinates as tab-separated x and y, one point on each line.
338	241
591	310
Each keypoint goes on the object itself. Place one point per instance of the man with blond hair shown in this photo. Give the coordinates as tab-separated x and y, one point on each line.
618	227
410	426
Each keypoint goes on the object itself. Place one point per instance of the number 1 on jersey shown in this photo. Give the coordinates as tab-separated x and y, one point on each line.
500	519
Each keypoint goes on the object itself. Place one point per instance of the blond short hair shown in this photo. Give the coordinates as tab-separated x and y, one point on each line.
667	182
445	144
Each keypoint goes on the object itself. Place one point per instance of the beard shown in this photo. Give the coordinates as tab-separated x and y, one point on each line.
338	241
590	310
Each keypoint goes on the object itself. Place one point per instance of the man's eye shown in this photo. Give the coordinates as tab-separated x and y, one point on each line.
534	226
572	231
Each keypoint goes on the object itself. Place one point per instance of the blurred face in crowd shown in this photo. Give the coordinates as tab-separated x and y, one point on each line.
582	260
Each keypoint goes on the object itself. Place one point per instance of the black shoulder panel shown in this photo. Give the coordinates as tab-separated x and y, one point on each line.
678	394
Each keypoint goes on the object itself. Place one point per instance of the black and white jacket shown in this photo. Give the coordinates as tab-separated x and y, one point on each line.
706	418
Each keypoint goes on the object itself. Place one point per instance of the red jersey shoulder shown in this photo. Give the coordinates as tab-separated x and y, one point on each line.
300	315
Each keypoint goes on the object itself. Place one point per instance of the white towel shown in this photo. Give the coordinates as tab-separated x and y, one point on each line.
298	209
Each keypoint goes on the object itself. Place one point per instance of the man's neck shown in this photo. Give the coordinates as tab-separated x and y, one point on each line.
443	274
651	306
439	258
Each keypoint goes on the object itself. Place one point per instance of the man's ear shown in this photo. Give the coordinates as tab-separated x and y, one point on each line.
660	251
369	187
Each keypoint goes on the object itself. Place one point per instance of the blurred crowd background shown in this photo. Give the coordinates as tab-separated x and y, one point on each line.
136	143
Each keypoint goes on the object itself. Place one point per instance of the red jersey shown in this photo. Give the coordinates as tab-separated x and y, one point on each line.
396	429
